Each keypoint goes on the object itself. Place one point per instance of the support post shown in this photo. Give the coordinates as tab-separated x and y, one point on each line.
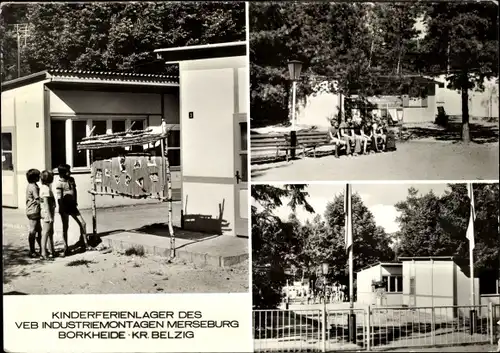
433	326
324	327
293	133
473	320
491	327
368	328
94	207
168	179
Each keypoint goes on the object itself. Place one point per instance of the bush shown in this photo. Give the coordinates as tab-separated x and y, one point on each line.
441	118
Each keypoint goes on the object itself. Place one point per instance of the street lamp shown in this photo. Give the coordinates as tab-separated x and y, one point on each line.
294	68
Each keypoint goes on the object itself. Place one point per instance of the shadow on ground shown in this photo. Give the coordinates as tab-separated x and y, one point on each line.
481	131
161	230
16	262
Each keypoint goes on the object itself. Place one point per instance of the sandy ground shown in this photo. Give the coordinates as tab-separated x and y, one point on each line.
415	160
106	272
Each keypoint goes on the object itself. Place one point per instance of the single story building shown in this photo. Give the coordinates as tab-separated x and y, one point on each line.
45	114
214	81
416	282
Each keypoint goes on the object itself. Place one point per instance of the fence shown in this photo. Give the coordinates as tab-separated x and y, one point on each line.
380	328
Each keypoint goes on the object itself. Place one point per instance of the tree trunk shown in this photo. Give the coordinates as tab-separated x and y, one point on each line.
465	114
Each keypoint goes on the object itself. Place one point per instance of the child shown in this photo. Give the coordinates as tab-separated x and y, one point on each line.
33	209
48	207
68	206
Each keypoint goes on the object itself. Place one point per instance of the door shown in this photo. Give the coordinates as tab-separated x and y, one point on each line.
9	167
241	174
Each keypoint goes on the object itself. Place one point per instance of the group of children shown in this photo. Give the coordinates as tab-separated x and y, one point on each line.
355	135
41	208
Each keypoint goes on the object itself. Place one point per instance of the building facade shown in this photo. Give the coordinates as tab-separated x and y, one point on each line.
45	114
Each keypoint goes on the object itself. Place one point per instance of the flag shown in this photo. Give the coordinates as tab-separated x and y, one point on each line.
348	218
472	217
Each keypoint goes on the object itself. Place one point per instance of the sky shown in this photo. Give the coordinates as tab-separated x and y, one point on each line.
379	198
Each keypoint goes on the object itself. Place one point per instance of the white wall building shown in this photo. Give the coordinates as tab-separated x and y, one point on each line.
45	114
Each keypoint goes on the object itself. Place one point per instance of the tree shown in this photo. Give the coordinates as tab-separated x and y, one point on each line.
370	242
123	36
437	226
462	41
276	245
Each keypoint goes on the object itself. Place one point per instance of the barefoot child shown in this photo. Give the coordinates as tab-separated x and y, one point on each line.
48	206
33	209
68	206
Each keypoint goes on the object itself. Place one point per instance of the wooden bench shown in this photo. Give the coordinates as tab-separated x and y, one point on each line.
266	146
310	141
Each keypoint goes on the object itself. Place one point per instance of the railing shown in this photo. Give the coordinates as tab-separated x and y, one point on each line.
379	328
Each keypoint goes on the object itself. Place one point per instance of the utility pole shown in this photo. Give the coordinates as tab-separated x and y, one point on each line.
21	33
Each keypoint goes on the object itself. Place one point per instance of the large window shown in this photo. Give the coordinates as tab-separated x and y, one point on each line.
81	128
7	160
393	284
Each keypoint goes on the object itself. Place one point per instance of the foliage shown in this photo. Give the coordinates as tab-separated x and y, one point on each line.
370	242
437	226
462	41
120	36
275	246
348	46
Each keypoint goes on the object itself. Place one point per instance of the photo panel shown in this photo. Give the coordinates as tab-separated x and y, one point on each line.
125	177
374	91
369	266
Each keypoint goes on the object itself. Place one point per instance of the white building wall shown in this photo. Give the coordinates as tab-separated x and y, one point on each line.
481	104
210	93
364	281
23	110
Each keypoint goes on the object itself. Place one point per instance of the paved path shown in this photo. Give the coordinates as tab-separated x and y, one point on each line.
415	160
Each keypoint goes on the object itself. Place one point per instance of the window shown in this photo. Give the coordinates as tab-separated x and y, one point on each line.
173	145
393	284
244	152
135	126
7	160
58	142
412	286
80	129
79	132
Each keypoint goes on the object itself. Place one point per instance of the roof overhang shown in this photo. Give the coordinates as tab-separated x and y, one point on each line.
395	263
426	258
92	80
199	52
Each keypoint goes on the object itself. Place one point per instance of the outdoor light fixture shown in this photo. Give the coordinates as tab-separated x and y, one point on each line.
294	67
399	114
325	268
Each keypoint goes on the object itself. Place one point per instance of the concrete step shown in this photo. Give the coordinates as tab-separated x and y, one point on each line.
218	251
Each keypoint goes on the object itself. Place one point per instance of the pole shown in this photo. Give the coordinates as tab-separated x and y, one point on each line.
349	243
293	133
94	207
324	315
18	52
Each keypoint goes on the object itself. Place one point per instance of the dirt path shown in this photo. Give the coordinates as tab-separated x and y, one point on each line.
110	272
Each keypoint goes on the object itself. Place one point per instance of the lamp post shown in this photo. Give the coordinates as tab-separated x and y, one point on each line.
324	270
294	68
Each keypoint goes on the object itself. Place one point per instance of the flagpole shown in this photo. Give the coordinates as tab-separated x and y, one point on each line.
470	236
349	246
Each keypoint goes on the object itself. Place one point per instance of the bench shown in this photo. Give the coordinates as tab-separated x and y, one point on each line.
266	146
310	141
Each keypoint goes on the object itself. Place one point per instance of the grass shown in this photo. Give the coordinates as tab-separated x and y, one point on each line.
80	262
135	251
